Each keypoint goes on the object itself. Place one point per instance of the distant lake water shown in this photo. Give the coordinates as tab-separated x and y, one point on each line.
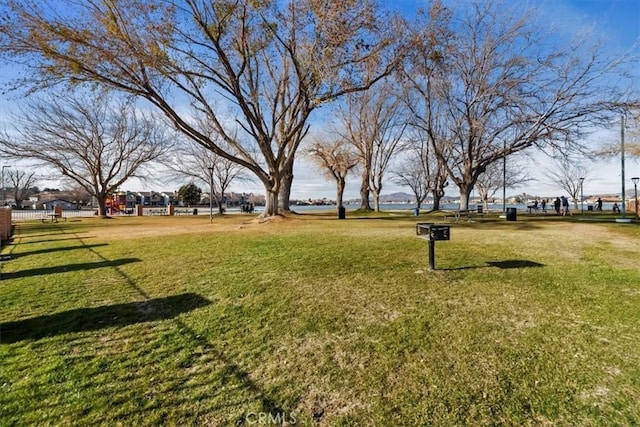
493	207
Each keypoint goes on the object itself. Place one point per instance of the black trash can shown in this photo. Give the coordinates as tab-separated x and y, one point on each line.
479	208
342	213
590	208
195	211
511	214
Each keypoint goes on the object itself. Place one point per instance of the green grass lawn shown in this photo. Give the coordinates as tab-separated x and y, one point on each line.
317	321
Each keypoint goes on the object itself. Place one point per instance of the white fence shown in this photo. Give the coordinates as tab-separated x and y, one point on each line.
32	214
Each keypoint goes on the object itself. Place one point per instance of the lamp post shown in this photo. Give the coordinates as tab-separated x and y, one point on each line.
635	180
2	182
581	196
623	208
504	179
210	195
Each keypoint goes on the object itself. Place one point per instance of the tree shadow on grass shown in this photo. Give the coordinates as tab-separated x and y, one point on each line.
69	267
89	319
49	250
51	240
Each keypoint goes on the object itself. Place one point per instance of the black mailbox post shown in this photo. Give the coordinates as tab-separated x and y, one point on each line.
432	232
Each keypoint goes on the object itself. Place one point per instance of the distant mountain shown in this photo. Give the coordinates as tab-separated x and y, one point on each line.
399	197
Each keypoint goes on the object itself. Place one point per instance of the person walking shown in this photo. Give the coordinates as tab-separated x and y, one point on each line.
543	205
565	206
556	205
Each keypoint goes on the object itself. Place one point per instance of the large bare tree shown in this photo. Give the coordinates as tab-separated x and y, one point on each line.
96	144
336	158
374	122
254	70
504	85
22	183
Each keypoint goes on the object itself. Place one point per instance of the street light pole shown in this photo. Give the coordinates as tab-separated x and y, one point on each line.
624	208
581	195
2	182
635	180
504	179
210	195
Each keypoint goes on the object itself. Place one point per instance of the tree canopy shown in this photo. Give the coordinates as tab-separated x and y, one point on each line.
252	70
489	81
95	143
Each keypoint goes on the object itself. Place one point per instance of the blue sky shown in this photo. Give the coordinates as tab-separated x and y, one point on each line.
616	22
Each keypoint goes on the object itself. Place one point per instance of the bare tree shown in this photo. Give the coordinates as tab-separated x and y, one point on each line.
503	87
569	174
336	158
201	164
410	173
433	169
22	184
374	122
79	195
96	144
254	70
498	176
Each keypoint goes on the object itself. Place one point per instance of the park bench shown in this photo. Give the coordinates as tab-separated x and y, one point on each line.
53	217
467	215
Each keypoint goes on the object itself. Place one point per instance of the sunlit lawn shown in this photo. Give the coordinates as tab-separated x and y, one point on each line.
314	320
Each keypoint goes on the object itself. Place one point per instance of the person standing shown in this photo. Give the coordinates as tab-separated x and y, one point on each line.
543	205
599	204
556	205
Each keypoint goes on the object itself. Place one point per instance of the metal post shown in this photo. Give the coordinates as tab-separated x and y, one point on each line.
635	180
581	195
623	208
504	180
432	255
210	195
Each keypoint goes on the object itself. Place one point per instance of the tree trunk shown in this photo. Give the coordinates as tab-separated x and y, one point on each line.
284	195
465	192
364	192
102	209
437	196
376	201
271	208
340	185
